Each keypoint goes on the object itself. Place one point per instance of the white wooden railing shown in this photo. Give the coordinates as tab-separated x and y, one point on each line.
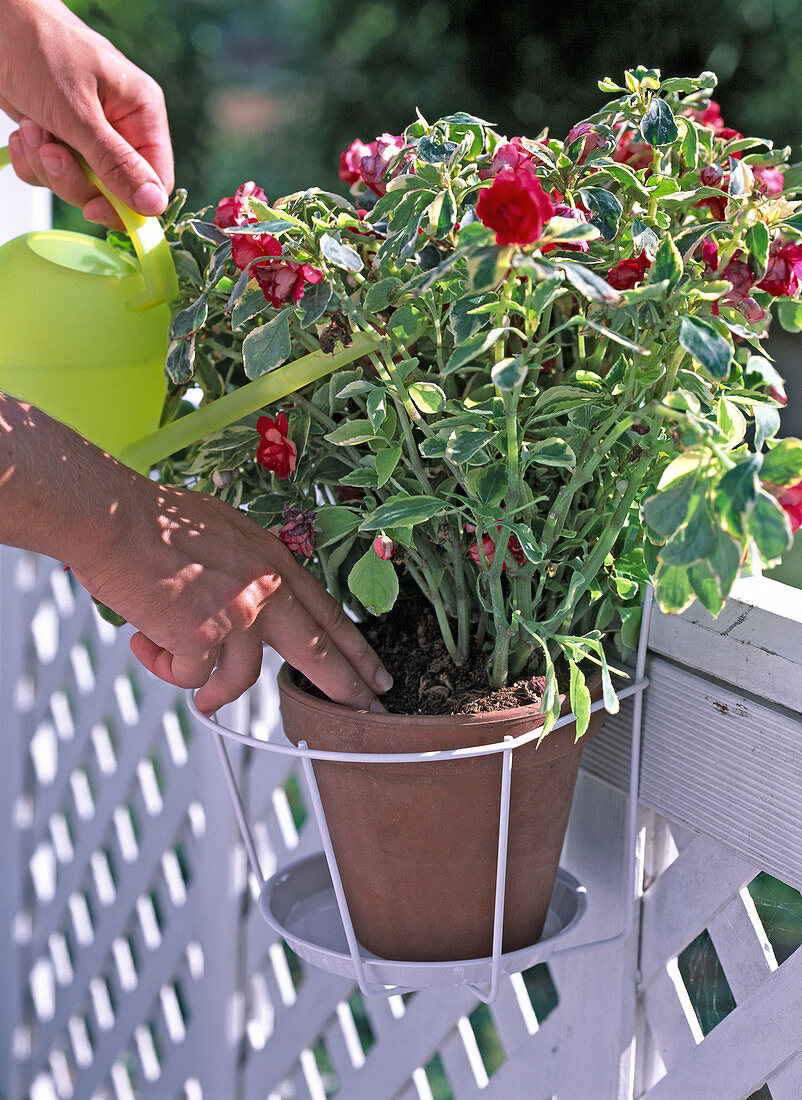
135	963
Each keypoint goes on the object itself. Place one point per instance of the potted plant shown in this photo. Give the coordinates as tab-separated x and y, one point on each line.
568	399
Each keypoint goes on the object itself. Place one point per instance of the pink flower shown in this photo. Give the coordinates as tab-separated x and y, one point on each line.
351	161
740	274
593	139
276	452
709	116
628	273
233	210
516	206
784	269
280	281
790	500
383	547
489	550
246	247
574	214
513	156
769	181
375	164
298	530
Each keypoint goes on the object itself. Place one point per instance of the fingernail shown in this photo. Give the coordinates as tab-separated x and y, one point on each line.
150	199
383	679
377	708
52	164
32	134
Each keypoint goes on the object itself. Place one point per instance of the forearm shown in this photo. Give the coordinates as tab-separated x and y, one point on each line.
59	494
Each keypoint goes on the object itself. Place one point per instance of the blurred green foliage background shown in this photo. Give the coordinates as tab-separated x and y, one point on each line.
273	91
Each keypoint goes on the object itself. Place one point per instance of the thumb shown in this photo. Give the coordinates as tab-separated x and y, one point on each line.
124	171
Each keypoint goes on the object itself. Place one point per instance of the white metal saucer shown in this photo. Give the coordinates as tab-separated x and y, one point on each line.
300	904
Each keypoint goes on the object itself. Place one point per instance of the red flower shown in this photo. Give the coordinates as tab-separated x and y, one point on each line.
768	181
383	547
630	151
516	206
593	139
513	156
276	452
280	281
628	273
784	269
246	247
233	211
489	550
351	160
298	530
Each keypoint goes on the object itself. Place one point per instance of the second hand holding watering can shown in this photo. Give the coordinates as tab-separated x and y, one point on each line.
84	331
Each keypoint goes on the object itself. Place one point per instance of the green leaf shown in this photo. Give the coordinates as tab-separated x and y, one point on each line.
352	432
333	522
469	349
590	284
736	494
404	511
580	699
706	587
462	322
611	702
378	296
769	527
789	314
509	374
489	483
434	446
250	304
605	208
552	452
658	126
486	267
757	242
374	582
693	543
442	215
463	444
667	510
782	465
427	397
180	361
432	151
386	461
767	424
377	408
702	340
689	150
314	303
339	254
672	588
667	263
643	238
189	320
267	347
724	561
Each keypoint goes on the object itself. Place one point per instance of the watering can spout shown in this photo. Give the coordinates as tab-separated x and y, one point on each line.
98	365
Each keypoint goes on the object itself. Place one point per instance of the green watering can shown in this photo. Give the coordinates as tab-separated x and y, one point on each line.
84	331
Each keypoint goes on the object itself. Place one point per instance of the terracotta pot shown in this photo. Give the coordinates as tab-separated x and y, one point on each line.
416	844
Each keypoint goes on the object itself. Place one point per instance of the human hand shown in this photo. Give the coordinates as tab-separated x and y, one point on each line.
206	586
68	86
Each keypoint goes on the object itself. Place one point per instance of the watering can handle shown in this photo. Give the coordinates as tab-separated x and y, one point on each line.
152	249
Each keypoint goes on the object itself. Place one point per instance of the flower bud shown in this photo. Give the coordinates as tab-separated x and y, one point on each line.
383	547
